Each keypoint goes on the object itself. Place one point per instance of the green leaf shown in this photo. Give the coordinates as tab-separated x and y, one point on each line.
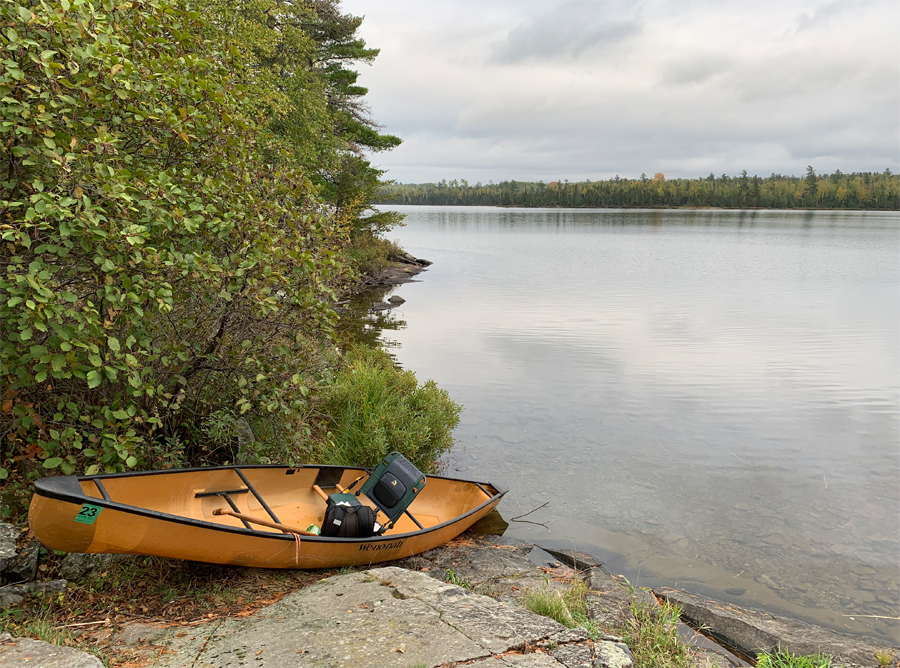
94	378
53	462
113	344
120	414
131	461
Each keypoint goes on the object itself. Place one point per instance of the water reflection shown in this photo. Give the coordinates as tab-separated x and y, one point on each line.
359	323
704	397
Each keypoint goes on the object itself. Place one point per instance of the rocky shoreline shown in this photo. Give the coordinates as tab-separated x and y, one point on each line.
402	268
460	603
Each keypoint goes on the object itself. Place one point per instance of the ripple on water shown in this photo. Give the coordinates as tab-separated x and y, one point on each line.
708	397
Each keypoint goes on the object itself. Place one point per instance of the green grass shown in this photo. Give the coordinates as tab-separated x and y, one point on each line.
453	578
785	659
652	636
373	409
567	606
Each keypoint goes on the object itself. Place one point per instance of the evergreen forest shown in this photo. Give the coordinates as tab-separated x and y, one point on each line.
865	190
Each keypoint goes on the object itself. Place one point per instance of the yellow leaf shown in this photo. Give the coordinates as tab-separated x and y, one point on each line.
185	137
78	192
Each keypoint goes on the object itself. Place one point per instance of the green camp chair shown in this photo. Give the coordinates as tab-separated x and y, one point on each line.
392	486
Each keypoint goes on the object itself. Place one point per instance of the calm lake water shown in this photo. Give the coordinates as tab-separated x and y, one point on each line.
707	399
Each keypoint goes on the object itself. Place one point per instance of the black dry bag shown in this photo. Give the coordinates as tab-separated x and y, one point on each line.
348	521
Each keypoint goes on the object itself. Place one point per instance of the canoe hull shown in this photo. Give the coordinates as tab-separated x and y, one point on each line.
58	517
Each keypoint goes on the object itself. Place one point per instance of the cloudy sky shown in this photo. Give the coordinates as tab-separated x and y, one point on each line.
587	89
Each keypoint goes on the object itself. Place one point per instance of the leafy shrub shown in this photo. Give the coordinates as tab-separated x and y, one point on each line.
373	409
371	254
161	258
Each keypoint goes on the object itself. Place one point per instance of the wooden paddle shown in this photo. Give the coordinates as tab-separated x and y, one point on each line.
265	523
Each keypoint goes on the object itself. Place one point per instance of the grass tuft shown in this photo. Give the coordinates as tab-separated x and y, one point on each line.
567	606
453	578
784	659
652	636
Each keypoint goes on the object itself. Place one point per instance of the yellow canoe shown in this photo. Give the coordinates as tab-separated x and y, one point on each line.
175	514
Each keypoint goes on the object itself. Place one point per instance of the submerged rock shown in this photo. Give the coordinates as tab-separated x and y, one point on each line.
752	631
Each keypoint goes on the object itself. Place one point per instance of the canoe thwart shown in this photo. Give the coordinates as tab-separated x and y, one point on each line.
262	501
200	495
102	490
412	517
234	507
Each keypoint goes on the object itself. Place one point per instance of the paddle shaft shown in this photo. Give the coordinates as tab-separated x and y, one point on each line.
265	523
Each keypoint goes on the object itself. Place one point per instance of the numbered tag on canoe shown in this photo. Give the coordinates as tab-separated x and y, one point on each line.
88	513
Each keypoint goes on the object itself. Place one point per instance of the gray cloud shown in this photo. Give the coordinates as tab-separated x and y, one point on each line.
824	13
566	30
691	87
695	69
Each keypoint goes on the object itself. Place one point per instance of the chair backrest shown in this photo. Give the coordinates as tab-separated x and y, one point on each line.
393	485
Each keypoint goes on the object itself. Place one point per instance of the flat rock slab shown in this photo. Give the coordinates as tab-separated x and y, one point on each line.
381	617
752	631
491	565
28	653
609	599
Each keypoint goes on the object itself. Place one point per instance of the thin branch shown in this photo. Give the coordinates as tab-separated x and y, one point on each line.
517	518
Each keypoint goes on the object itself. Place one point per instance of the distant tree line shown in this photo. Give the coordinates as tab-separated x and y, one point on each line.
859	190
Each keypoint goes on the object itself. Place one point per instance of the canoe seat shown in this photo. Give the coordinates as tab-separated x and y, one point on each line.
392	486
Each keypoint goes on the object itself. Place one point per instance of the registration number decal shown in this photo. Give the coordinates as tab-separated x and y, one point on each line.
88	513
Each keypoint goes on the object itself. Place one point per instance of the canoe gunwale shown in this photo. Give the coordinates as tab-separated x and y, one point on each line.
68	489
